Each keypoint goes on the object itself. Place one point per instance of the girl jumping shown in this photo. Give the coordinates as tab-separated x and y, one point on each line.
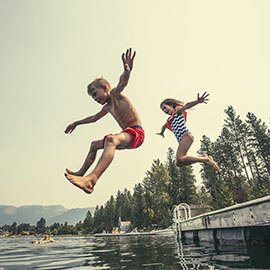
177	124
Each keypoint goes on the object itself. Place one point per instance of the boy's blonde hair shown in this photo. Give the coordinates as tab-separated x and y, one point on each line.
172	102
98	83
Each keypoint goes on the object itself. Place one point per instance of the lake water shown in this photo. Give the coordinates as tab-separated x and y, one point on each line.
140	252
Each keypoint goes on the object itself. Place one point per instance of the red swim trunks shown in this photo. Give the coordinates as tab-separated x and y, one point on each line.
137	134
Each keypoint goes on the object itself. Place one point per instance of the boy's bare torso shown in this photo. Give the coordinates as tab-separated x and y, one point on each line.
122	110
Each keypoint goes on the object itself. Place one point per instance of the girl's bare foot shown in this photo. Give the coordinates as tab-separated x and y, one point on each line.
212	163
74	173
85	183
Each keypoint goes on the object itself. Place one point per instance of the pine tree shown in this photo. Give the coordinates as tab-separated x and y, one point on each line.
110	215
13	228
41	225
87	223
127	205
182	187
138	206
99	219
156	184
119	204
213	182
236	127
174	184
259	145
260	141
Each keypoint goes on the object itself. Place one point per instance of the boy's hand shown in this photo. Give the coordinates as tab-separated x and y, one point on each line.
70	128
128	60
203	98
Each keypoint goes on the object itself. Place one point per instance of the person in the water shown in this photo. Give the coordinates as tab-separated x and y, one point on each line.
46	239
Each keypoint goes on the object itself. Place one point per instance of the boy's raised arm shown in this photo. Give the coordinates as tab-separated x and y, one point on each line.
87	120
127	59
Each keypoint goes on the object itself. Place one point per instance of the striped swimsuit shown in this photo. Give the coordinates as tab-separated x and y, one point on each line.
177	124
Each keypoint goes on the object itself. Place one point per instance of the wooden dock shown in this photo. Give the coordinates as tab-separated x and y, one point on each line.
244	223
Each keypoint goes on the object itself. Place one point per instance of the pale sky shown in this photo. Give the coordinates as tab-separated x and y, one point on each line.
51	50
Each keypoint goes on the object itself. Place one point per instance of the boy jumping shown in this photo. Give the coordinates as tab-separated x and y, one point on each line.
125	114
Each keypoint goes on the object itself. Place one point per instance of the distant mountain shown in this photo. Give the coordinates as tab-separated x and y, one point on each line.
33	213
72	216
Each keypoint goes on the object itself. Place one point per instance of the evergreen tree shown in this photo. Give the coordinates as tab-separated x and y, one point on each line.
203	201
260	142
213	182
231	168
87	225
119	201
187	185
138	206
110	215
13	228
123	205
182	187
127	205
174	184
99	220
238	130
158	201
23	227
80	226
41	225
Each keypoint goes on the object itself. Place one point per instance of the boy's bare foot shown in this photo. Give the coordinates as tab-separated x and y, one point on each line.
213	164
85	183
73	173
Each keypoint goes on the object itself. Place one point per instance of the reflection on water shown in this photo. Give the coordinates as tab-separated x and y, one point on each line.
141	252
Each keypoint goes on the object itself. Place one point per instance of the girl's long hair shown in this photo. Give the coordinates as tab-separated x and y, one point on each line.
172	102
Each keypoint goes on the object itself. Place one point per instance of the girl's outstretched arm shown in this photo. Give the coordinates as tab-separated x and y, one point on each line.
202	99
163	128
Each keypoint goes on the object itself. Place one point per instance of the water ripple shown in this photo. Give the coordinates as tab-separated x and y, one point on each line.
142	252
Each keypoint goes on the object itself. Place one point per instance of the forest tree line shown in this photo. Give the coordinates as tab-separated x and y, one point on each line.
242	151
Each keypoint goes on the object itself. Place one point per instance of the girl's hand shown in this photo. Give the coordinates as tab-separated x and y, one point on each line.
203	98
161	134
70	128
